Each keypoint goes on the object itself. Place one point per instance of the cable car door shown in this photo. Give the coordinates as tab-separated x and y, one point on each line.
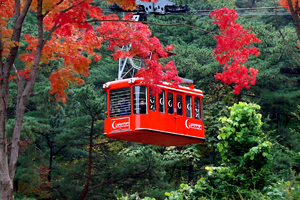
179	127
170	112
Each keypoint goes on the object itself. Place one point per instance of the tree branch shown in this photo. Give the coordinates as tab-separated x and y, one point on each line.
295	16
58	3
61	148
16	71
19	19
17	9
50	33
71	7
282	36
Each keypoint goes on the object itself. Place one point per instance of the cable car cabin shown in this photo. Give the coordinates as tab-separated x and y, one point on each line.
171	118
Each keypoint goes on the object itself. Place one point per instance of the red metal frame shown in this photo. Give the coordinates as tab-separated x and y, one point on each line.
155	128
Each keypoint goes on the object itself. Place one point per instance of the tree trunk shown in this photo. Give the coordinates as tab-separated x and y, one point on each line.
7	170
295	16
6	186
50	161
23	94
6	190
89	176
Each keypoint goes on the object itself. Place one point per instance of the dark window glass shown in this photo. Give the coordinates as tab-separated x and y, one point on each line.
179	104
120	102
197	108
189	106
152	101
170	103
139	100
161	101
106	106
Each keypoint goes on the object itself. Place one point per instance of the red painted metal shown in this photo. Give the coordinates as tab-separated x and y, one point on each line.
157	128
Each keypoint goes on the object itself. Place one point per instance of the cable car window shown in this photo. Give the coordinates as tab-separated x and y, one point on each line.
197	108
139	100
170	103
105	106
152	101
120	102
188	101
161	101
179	104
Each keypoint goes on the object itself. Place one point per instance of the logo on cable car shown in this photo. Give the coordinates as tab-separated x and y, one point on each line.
190	125
119	124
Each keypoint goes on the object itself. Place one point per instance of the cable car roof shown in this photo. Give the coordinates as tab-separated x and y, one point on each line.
165	85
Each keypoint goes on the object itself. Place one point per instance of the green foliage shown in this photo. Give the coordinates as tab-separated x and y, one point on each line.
245	154
243	146
22	197
251	169
241	138
286	151
275	191
283	190
134	197
222	3
185	192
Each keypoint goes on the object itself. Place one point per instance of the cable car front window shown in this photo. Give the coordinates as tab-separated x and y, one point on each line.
120	102
170	103
152	101
179	104
197	108
140	100
189	106
105	106
161	101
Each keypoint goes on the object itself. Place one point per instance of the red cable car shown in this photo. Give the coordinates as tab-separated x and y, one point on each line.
171	118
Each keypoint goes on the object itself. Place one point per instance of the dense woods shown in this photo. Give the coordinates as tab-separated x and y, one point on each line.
252	136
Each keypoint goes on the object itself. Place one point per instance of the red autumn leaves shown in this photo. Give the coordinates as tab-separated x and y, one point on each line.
75	42
233	49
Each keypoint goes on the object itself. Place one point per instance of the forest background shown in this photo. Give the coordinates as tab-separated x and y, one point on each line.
56	136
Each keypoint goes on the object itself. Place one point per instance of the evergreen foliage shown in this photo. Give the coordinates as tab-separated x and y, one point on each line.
241	158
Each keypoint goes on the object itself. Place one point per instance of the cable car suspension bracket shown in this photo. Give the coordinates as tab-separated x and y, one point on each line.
161	7
127	65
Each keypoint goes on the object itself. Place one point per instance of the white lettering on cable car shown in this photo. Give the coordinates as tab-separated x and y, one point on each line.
179	105
189	125
120	124
170	103
161	101
189	106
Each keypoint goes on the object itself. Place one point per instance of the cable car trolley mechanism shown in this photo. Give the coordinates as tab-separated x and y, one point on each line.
170	118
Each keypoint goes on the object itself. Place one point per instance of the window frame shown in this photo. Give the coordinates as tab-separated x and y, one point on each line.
163	102
187	106
149	99
137	98
115	99
200	108
170	108
177	105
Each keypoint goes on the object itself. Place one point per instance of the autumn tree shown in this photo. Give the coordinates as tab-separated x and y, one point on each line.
233	49
64	33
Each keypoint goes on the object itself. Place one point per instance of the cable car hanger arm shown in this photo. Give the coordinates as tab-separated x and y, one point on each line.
161	7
